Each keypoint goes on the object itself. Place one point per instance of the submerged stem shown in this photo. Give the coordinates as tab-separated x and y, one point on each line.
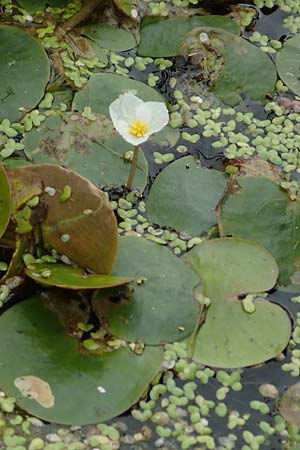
133	167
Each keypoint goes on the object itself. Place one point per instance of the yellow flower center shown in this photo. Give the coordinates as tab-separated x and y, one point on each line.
138	128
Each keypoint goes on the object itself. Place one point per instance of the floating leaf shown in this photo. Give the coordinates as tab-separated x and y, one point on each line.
103	88
287	64
38	5
104	35
103	385
230	337
5	204
161	38
184	196
160	305
24	73
289	405
88	147
66	277
84	227
263	212
229	64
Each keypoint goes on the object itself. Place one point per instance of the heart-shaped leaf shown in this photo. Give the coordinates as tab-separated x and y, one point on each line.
258	209
24	72
184	196
230	337
90	147
50	377
159	307
287	63
155	33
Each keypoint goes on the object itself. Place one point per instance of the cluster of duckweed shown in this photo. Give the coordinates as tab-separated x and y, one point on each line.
162	8
265	43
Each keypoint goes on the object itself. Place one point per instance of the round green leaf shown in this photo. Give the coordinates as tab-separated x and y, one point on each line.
104	35
160	305
230	64
5	204
103	88
161	38
287	63
83	388
184	196
229	336
38	5
261	211
24	72
68	277
87	147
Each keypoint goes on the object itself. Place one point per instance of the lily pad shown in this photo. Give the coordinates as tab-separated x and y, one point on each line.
66	277
32	6
159	307
161	38
229	336
104	35
103	88
184	196
5	203
263	212
287	63
289	405
229	64
89	147
24	73
82	226
103	385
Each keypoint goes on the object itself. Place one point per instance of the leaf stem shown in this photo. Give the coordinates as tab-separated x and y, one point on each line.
133	167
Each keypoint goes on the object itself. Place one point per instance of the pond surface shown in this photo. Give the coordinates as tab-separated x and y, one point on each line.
244	126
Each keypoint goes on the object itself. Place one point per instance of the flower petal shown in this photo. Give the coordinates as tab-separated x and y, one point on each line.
124	108
154	114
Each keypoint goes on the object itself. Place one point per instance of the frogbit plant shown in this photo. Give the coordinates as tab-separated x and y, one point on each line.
136	121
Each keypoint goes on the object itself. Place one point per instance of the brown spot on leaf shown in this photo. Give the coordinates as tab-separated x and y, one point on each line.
36	389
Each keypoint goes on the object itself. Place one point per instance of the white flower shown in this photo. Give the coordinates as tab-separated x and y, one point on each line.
136	120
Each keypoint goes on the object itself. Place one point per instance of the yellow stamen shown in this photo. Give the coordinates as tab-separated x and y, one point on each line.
138	128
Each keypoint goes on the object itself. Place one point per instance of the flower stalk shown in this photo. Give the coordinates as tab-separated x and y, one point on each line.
133	167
